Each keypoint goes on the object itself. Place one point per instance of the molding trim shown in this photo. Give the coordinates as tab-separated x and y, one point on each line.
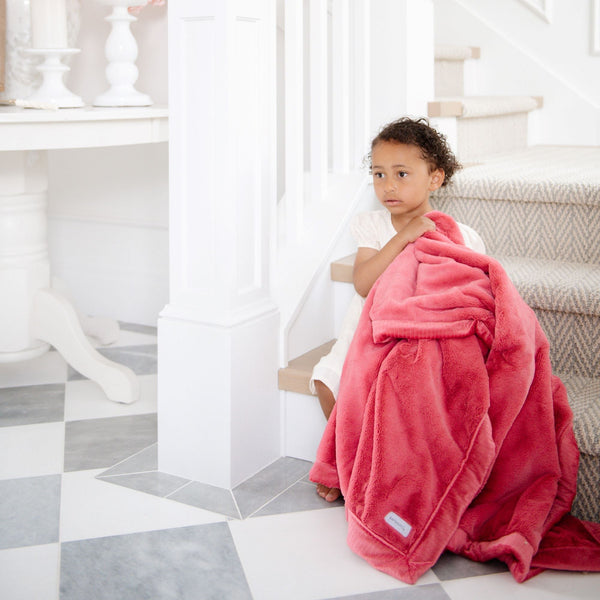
595	27
542	8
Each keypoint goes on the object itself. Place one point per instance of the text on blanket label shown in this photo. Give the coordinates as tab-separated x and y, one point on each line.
398	523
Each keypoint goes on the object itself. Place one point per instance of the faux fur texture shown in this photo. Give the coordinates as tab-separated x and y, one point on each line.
450	430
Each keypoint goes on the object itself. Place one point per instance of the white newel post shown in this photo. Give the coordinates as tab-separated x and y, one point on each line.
218	408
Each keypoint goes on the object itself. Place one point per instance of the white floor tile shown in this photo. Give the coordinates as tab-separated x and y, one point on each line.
31	450
30	573
304	556
550	585
84	399
51	367
93	508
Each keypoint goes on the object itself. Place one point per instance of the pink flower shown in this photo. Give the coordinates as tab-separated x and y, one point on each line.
135	10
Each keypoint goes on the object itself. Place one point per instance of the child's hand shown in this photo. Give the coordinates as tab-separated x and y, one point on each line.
416	228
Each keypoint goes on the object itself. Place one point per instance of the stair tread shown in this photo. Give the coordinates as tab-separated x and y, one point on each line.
455	52
583	392
553	285
545	284
470	107
296	376
547	174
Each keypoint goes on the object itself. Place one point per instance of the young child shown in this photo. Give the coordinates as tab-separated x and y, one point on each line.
409	160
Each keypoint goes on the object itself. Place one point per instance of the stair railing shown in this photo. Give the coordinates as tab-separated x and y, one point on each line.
326	72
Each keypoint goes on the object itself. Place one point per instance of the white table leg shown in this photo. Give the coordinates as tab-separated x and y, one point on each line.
55	321
32	314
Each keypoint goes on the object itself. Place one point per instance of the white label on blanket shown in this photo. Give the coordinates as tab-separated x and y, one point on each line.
399	524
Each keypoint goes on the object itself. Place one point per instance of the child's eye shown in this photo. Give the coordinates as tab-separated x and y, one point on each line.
402	174
377	175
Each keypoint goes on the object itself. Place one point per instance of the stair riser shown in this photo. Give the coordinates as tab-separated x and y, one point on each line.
574	342
449	78
485	136
586	505
563	232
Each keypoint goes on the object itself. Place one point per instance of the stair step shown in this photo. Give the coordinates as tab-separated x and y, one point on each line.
341	269
584	399
553	285
451	52
472	107
450	69
565	298
481	126
542	202
296	376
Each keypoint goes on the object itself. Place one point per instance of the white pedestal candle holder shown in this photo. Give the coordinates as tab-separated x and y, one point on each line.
53	91
121	52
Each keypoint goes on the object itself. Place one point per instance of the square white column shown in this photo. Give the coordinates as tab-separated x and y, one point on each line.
218	409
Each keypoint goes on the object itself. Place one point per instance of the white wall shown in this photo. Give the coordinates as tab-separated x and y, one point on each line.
108	207
523	53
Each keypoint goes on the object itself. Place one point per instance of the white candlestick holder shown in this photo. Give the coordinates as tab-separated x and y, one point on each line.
53	90
121	51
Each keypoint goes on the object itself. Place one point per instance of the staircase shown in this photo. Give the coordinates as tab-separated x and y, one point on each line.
538	211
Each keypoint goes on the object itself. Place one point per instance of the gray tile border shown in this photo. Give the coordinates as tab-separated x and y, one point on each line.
155	482
29	511
208	497
32	404
300	496
257	491
280	487
187	562
452	566
98	443
142	462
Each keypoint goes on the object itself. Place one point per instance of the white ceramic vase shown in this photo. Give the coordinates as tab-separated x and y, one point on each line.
22	78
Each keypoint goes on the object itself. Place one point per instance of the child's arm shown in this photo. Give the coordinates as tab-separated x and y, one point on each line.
369	263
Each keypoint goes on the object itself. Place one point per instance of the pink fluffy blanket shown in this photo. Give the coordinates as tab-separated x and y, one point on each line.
450	430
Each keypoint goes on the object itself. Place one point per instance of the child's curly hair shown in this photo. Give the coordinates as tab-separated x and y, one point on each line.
418	132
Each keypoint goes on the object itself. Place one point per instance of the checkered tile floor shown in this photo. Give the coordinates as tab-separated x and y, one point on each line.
86	515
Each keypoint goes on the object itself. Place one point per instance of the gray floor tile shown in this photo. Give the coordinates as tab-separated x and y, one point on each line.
208	497
147	329
140	359
97	443
32	404
155	483
271	481
29	511
301	496
146	460
198	562
432	591
452	566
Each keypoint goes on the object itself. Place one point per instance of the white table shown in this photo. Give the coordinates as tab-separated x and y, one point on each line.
33	315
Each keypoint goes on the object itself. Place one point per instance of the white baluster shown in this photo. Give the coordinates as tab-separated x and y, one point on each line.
319	107
341	86
294	117
361	90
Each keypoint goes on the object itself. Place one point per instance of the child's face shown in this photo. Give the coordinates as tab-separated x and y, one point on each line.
402	178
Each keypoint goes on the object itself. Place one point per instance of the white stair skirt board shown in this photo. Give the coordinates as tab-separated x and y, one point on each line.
304	424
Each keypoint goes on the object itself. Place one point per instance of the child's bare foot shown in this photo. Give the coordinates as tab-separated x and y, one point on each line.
330	494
